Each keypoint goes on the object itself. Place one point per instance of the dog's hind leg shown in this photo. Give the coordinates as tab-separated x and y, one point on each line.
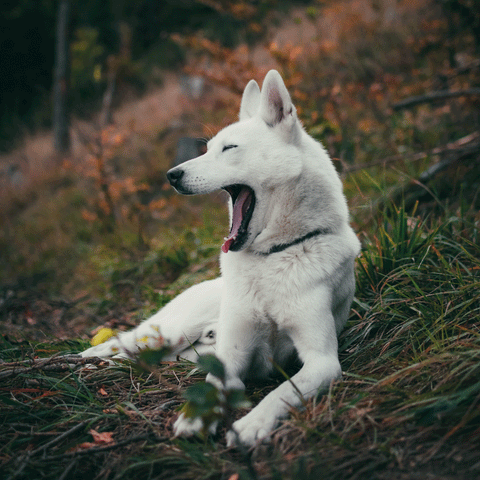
186	319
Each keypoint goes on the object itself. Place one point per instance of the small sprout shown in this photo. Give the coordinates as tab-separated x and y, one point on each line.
210	402
211	364
153	356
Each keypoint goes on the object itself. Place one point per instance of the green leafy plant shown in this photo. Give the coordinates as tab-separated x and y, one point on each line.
209	402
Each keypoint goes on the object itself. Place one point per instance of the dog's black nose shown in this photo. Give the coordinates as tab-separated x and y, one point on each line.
174	176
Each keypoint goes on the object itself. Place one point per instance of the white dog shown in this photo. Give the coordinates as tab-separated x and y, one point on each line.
287	265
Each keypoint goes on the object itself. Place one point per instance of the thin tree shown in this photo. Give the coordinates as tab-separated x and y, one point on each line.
61	114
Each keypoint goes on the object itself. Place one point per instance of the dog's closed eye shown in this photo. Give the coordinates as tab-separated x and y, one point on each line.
228	147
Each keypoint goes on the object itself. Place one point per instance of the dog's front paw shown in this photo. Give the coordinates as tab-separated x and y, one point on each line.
187	427
249	430
107	349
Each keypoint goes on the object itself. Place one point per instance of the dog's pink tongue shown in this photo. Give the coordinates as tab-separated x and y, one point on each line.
239	208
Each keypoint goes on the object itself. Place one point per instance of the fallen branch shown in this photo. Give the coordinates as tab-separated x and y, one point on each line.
436	168
56	364
449	147
434	96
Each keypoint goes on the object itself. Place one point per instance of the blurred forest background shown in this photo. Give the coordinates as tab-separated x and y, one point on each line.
131	39
147	80
92	235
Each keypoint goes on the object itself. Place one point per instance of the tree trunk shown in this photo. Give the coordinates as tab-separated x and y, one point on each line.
61	114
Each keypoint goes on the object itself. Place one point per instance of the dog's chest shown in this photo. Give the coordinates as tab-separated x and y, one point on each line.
272	286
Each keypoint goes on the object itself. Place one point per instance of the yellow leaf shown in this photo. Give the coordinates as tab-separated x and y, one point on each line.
102	336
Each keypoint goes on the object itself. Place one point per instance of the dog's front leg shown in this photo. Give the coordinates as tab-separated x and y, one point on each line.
178	324
316	343
236	341
316	374
239	335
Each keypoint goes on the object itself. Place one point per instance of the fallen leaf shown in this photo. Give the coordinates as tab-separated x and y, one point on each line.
103	392
101	438
82	446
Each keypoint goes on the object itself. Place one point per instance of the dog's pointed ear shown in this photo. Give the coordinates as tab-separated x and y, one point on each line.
276	105
250	101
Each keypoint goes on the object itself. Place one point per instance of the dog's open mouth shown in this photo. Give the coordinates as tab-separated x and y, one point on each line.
243	200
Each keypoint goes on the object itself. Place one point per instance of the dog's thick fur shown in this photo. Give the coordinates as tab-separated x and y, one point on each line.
287	265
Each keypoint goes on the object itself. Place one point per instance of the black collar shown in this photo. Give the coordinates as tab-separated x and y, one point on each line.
283	246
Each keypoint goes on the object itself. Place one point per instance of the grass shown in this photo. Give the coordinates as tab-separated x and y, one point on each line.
408	403
408	406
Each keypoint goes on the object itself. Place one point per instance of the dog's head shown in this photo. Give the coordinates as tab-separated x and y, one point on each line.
250	159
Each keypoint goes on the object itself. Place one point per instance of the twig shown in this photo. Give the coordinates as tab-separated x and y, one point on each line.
434	96
67	470
59	438
21	468
106	448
